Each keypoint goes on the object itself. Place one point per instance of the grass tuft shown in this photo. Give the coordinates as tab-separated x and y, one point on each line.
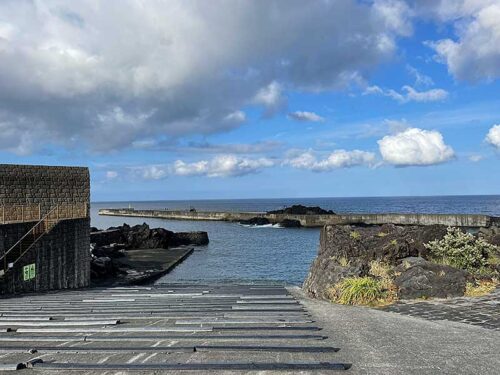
355	235
482	288
360	291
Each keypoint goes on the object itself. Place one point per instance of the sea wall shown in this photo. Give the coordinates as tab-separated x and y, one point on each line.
472	221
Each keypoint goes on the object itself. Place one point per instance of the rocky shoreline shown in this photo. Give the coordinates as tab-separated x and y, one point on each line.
133	255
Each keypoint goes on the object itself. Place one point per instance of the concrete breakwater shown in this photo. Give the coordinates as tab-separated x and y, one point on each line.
311	221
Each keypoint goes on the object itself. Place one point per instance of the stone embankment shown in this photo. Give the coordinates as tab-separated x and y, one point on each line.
314	220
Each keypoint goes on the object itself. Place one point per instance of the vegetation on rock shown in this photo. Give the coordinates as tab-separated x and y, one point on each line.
462	250
360	291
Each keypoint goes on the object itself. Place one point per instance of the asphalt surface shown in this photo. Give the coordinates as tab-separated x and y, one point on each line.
380	342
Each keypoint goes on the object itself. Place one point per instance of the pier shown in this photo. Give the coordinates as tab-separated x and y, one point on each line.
314	221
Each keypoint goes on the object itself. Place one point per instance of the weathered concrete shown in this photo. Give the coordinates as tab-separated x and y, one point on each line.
172	328
471	221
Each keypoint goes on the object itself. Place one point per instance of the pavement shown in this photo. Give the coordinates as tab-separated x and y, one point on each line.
482	311
381	342
170	329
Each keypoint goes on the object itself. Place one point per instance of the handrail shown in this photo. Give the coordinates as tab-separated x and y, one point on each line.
17	213
44	225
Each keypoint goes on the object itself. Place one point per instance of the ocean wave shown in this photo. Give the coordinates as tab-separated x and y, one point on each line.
276	226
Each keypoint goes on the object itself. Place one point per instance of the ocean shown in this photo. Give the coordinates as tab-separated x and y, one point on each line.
245	254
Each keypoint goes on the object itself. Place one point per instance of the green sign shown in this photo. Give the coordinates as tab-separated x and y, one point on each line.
29	272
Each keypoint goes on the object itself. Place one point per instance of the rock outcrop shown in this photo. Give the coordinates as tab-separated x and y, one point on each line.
289	223
299	209
347	251
255	221
419	278
144	237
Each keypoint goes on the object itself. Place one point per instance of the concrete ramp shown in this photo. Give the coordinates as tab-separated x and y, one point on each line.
164	329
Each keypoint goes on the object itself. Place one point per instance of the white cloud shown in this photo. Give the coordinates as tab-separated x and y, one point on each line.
476	158
111	175
305	116
222	166
271	97
420	78
415	147
493	136
475	52
152	172
236	116
219	166
409	94
337	159
178	69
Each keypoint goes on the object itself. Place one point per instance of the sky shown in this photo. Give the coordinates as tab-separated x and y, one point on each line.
255	99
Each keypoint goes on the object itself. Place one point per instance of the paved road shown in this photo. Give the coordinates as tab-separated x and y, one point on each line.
173	328
386	343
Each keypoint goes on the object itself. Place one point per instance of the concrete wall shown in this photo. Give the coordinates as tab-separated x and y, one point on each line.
61	257
44	185
472	221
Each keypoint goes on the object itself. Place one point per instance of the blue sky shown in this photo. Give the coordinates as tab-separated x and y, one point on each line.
190	100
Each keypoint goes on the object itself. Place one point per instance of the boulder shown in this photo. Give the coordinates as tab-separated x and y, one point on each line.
102	267
491	235
417	278
299	209
255	221
289	223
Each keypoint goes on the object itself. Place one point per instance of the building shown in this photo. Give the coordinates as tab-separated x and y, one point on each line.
44	228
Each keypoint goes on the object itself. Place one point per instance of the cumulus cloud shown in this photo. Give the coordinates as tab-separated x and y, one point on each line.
493	136
305	116
409	94
415	147
106	76
337	159
475	51
222	166
271	97
219	166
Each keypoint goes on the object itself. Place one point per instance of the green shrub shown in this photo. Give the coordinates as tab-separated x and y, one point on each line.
461	250
358	291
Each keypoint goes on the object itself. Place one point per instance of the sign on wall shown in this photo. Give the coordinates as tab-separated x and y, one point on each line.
29	272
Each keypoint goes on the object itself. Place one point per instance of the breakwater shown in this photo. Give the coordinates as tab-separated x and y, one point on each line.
312	221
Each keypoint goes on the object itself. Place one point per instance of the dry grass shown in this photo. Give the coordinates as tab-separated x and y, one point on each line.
343	261
483	287
381	234
355	235
367	291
